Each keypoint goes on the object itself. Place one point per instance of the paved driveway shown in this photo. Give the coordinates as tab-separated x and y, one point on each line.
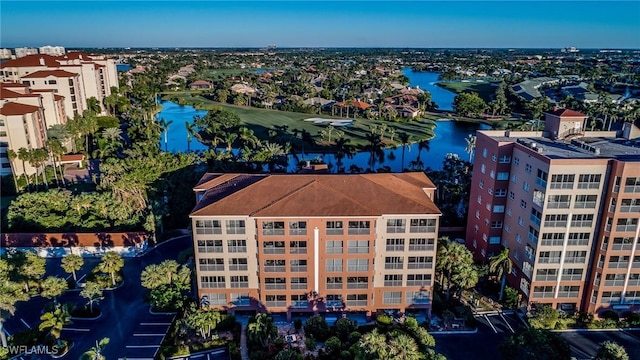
585	344
123	309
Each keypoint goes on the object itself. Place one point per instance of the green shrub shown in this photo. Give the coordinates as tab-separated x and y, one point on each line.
317	328
310	344
610	315
234	351
633	319
354	337
510	298
227	323
584	319
297	324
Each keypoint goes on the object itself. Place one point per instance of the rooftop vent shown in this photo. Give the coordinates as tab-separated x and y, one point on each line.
586	147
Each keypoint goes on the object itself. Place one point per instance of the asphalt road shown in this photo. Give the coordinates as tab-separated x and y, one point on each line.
123	309
585	344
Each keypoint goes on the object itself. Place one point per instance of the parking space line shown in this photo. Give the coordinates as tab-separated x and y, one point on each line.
25	323
165	324
506	322
489	321
82	277
148	334
76	329
143	346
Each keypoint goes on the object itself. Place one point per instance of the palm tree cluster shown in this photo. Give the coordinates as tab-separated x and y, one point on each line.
168	284
455	267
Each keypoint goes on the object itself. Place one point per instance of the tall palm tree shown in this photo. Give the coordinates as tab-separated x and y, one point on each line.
111	263
343	148
466	277
262	330
191	129
422	145
93	293
12	156
23	155
72	263
95	352
55	321
403	346
93	105
10	293
52	287
404	140
39	158
373	345
375	147
248	138
502	266
471	145
164	125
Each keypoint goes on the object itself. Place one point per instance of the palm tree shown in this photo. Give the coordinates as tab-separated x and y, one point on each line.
466	277
33	268
373	345
262	329
191	128
38	159
610	350
113	134
24	155
72	263
471	145
95	353
343	148
169	269
375	147
92	292
52	287
152	277
164	125
403	346
55	150
422	145
404	140
10	293
12	156
93	105
55	321
111	263
248	138
502	266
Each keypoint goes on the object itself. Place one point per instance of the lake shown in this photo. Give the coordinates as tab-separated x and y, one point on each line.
123	67
449	135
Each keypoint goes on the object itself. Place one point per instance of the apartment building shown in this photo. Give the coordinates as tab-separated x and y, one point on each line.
294	243
25	115
52	50
5	54
25	51
92	76
566	203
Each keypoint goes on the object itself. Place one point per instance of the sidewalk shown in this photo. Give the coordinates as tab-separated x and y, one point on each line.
244	351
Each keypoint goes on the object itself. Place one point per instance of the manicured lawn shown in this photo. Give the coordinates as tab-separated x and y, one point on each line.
216	74
485	90
263	120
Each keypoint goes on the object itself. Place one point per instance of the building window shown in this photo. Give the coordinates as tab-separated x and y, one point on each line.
208	227
334	228
611	297
479	199
541	178
357	265
240	299
562	181
297	247
333	265
211	264
235	226
579	239
492	174
494	240
421	244
582	220
481	184
210	246
237	246
535	216
334	282
490	191
572	274
298	265
533	235
505	159
501	192
241	281
494	158
546	274
238	264
484	152
273	247
297	228
358	246
552	239
558	201
299	301
516	161
275	266
538	198
523	204
527	168
525	186
589	181
396	225
496	224
357	282
393	297
502	176
544	291
420	262
275	301
359	228
212	282
632	185
575	257
334	300
555	220
422	225
419	280
270	228
498	209
419	297
512	195
514	178
549	257
214	299
278	283
393	262
334	247
354	300
393	280
629	205
298	283
395	245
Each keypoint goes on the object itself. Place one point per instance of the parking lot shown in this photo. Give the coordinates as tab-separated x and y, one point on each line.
585	344
147	336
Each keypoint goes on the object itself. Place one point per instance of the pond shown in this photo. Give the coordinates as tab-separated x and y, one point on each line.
449	135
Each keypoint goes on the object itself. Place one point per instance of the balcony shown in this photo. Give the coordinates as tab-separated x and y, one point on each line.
219	267
626	228
300	304
542	295
627	246
299	268
418	282
359	231
572	277
585	205
237	249
275	268
298	250
298	286
272	232
395	247
394	266
561	185
334	286
422	229
335	231
238	267
575	260
297	232
393	283
549	260
358	250
619	265
357	285
547	277
274	250
334	303
426	265
427	247
568	294
588	185
630	208
619	282
356	303
239	285
558	205
357	268
632	189
396	229
275	286
276	304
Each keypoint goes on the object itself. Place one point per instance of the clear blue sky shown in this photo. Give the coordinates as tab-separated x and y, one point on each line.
518	24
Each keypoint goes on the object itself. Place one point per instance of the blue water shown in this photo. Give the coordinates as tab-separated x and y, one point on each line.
123	67
427	81
449	135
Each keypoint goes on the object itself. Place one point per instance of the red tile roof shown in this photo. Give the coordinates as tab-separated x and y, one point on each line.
315	195
14	108
72	157
39	240
46	73
12	85
8	94
566	113
31	60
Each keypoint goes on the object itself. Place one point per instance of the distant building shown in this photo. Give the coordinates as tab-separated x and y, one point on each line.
52	50
201	84
24	51
5	54
317	243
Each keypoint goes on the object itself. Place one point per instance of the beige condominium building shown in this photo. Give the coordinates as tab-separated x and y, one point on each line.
566	203
290	243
